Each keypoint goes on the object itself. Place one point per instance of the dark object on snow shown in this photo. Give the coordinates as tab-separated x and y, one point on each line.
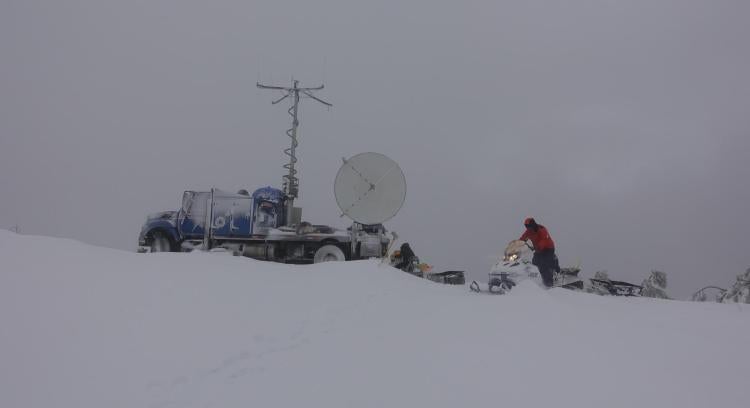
501	283
577	285
448	277
498	284
617	288
570	271
407	257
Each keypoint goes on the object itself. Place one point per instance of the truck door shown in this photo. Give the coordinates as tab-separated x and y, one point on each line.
231	216
191	218
242	215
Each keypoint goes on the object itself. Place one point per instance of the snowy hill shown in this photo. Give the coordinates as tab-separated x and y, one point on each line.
84	326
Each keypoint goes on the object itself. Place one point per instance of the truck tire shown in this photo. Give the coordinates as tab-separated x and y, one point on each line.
160	242
329	253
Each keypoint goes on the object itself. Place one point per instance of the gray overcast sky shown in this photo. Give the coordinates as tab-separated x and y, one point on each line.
623	126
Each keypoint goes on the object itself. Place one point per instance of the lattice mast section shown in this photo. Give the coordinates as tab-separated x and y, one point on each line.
290	179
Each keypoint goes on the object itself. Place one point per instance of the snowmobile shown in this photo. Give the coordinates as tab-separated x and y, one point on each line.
615	288
515	267
423	270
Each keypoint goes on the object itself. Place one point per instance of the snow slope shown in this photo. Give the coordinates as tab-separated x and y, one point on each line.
83	326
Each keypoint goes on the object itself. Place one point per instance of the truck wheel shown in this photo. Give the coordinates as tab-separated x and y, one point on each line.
160	243
328	253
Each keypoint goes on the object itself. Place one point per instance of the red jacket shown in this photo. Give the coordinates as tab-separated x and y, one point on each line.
540	238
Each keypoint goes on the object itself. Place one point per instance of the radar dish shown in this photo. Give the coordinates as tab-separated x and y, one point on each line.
370	188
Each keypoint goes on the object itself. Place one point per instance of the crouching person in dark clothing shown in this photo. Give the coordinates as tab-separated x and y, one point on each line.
544	250
407	256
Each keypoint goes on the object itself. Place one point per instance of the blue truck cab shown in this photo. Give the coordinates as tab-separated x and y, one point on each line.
255	225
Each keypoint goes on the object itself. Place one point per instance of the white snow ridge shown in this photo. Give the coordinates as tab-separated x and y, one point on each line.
83	326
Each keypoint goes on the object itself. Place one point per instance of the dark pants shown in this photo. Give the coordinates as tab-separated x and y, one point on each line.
547	263
405	264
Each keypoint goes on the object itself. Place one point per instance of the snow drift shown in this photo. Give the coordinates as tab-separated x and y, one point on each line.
84	326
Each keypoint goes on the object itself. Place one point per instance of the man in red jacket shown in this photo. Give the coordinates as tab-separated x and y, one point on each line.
544	250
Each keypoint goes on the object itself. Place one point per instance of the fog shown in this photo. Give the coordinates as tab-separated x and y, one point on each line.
622	126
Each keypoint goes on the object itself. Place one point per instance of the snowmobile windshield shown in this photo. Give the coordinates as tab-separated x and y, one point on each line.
515	250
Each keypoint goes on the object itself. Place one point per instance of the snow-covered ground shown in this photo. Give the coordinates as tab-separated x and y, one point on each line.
84	326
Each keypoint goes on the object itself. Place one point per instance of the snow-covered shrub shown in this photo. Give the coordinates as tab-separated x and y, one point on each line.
699	296
601	275
597	288
655	285
702	295
740	291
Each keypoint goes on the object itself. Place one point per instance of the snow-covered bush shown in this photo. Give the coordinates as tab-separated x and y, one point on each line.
702	295
740	291
655	285
598	288
601	275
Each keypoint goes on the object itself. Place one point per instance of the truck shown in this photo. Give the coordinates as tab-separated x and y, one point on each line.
260	225
265	224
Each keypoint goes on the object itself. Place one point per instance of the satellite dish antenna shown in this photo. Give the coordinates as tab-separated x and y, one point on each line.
370	188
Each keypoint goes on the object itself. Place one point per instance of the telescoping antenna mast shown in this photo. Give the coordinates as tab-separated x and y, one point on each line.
291	182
